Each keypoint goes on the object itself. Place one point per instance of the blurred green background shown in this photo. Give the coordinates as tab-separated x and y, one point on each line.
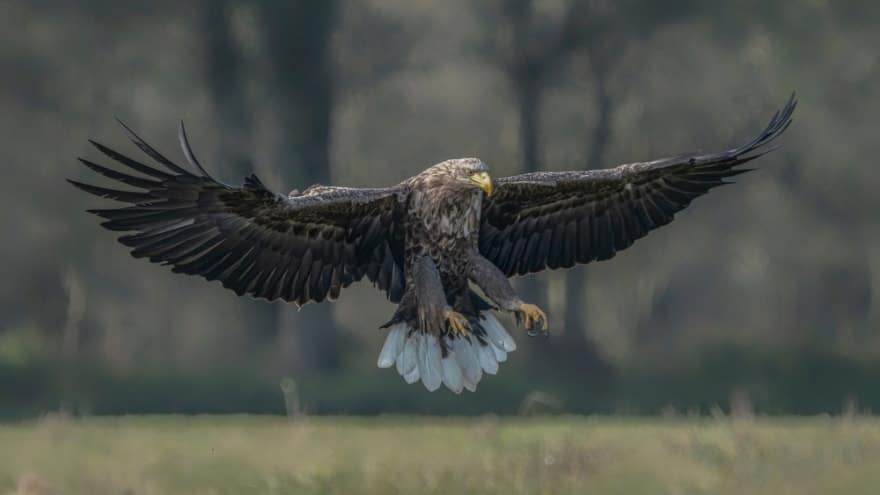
761	297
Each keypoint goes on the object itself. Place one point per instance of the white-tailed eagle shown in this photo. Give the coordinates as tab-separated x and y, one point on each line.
422	242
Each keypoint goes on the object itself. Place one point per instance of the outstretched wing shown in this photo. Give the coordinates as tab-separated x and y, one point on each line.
556	219
300	248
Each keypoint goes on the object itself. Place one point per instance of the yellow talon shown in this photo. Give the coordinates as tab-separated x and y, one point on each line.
532	315
458	323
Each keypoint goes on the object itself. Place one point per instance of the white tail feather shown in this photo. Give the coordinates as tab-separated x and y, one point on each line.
466	357
500	355
472	387
496	333
393	345
408	359
452	377
418	356
412	376
431	368
487	358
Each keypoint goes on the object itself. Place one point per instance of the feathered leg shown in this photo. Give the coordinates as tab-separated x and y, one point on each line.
433	309
497	287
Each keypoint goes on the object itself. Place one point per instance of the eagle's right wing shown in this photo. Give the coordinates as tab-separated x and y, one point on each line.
300	248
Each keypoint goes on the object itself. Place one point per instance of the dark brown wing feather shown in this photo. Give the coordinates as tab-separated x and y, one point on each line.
556	219
302	248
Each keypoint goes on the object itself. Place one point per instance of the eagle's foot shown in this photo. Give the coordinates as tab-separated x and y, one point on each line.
458	323
532	318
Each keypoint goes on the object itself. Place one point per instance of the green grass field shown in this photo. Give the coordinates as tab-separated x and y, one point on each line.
240	454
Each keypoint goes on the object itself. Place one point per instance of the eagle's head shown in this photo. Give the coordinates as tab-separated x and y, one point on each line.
461	174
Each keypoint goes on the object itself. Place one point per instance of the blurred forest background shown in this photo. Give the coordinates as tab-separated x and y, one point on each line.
763	296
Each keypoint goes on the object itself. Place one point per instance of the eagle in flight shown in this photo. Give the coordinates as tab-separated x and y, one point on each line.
423	242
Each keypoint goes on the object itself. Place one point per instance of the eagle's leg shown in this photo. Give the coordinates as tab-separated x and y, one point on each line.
496	286
433	310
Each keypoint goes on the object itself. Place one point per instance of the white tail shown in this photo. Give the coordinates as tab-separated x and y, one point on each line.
417	355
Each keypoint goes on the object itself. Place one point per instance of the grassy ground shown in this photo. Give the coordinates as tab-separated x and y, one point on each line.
235	454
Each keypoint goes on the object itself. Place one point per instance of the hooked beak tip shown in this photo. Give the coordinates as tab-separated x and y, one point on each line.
484	182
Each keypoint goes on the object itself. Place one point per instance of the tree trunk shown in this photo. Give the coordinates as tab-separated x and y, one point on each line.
574	341
224	78
224	67
529	94
298	46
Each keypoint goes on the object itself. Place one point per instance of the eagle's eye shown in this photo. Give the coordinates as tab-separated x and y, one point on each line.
484	182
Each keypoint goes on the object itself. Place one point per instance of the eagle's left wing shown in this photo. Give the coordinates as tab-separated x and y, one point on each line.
299	248
556	219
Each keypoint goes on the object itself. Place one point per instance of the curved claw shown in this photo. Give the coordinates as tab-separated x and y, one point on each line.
458	323
531	316
536	332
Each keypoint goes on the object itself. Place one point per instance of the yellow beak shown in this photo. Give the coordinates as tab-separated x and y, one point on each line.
483	180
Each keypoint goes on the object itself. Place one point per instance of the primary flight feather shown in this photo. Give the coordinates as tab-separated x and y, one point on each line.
423	242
